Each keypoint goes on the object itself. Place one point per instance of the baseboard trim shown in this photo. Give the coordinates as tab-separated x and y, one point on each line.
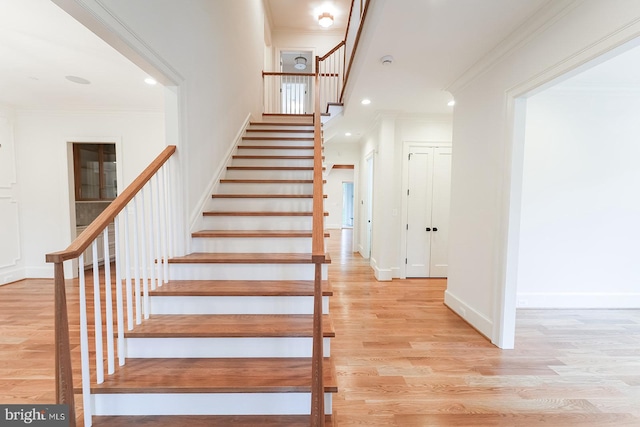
477	320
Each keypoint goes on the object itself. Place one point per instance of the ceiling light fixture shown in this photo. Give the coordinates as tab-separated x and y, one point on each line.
150	81
325	19
347	134
451	103
365	101
301	62
386	60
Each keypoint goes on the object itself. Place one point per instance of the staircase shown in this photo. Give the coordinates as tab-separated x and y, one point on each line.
229	338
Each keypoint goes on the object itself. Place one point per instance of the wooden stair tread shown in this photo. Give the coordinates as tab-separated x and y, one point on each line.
231	288
277	138
272	168
263	196
207	421
230	326
245	258
282	130
276	147
267	181
216	375
254	233
283	124
258	213
259	157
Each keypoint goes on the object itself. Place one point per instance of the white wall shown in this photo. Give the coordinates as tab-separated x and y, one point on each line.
484	207
41	141
319	44
217	47
386	142
580	228
343	154
11	259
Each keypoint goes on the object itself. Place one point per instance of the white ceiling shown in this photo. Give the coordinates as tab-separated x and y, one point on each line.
40	44
433	42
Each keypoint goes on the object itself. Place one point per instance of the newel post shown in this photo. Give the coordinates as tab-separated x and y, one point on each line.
64	377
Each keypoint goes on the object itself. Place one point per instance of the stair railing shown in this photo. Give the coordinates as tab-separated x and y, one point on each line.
141	216
288	93
318	258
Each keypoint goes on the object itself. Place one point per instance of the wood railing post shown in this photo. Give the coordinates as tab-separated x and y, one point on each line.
317	392
64	377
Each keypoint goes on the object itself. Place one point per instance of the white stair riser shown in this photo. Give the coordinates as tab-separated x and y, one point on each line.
243	271
257	223
283	138
205	403
273	152
223	347
235	305
266	188
273	162
269	174
251	244
262	205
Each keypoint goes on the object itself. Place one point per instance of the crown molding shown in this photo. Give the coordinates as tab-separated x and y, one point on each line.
542	19
98	18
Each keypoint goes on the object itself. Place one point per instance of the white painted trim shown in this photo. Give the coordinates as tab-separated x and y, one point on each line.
11	201
11	275
546	16
381	274
590	300
39	272
196	218
97	17
610	45
464	310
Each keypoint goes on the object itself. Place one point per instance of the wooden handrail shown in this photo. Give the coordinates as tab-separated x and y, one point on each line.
278	73
82	242
338	46
355	46
318	257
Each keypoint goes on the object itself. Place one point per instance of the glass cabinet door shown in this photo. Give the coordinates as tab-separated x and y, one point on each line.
95	171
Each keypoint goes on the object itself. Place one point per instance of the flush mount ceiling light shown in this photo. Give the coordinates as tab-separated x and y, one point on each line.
150	81
451	103
78	80
365	101
301	62
325	19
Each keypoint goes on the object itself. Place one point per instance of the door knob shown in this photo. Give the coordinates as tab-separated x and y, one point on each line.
435	229
428	229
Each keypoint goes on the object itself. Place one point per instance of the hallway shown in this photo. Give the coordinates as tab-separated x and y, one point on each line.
404	359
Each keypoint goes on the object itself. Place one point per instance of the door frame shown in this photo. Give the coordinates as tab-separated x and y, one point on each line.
406	147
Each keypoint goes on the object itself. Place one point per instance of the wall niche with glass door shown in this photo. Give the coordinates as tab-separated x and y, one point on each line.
95	171
95	183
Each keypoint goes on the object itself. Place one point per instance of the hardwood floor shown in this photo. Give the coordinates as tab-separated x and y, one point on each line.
404	359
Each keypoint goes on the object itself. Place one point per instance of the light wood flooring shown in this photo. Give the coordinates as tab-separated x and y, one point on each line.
404	359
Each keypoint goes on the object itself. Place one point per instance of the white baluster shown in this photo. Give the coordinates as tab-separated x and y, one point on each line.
143	243
119	296
108	301
152	243
84	346
127	260
97	313
136	262
165	226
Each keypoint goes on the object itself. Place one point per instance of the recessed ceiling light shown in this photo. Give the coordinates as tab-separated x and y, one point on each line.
78	80
347	134
366	101
150	81
451	103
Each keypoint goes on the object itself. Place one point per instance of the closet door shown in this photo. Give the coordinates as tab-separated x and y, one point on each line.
427	220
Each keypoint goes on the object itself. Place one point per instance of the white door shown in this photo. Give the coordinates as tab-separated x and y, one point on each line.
418	223
427	220
440	212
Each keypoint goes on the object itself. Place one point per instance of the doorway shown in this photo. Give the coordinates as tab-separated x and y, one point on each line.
347	205
427	182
